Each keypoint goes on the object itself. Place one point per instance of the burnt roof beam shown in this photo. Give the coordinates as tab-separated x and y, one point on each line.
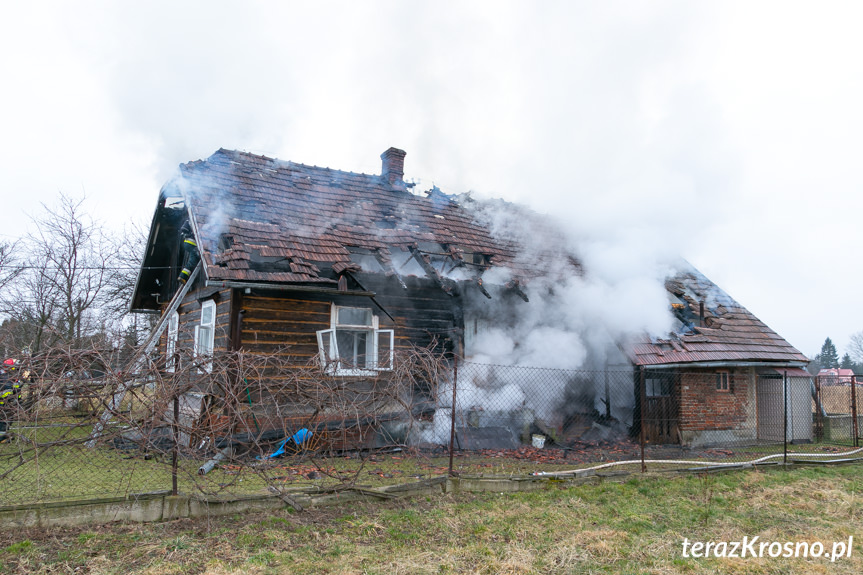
445	284
482	289
372	297
387	263
515	286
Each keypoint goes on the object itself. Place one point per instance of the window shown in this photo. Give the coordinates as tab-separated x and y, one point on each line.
657	386
205	333
171	348
723	381
354	345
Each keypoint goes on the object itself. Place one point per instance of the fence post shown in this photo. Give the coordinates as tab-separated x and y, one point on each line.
855	429
174	453
641	412
819	411
452	422
785	418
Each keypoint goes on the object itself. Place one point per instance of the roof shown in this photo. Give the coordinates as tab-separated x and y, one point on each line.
259	220
836	376
796	372
729	333
265	220
836	372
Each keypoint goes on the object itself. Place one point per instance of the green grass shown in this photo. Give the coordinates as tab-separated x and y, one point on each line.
632	526
71	471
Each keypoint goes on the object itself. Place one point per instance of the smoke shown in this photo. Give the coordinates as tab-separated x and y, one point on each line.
586	297
195	189
587	300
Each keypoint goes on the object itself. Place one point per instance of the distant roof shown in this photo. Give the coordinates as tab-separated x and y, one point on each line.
728	333
262	219
836	375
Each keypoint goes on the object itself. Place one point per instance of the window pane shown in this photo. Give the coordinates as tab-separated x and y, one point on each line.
173	323
205	342
385	349
354	316
207	313
326	345
660	386
173	330
353	348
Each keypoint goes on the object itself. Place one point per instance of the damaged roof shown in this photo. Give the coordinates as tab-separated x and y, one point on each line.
727	332
265	220
259	220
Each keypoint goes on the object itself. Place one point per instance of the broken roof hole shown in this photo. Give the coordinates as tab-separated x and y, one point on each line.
226	242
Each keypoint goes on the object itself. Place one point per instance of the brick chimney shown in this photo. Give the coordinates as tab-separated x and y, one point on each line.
393	168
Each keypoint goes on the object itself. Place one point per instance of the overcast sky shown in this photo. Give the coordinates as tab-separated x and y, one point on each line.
727	132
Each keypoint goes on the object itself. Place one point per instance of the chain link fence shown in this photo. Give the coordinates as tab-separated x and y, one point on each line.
236	424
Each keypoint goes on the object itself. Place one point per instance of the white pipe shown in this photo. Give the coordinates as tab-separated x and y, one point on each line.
687	462
221	455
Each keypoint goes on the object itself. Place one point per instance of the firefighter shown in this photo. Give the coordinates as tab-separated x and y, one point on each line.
190	253
10	391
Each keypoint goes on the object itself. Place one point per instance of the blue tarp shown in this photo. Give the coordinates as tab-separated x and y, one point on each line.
298	438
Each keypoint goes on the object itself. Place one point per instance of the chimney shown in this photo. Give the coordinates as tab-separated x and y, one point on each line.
393	168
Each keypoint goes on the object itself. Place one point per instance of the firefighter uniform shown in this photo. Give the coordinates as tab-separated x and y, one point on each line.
10	391
191	256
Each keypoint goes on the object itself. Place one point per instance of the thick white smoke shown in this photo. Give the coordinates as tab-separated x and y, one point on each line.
588	300
584	295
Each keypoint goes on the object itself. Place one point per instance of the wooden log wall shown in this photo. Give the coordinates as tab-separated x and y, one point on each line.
190	316
422	311
283	323
286	323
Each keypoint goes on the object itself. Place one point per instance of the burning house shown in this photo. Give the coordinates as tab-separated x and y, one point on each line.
345	269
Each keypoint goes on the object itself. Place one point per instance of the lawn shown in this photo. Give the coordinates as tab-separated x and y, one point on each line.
636	525
65	469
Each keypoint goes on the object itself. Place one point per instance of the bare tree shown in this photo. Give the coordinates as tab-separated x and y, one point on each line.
10	267
26	299
120	284
855	347
32	308
75	254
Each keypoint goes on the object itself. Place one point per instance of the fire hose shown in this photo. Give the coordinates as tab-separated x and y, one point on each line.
688	462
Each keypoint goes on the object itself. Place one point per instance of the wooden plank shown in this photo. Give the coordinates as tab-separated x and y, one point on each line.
278	337
281	348
276	304
253	316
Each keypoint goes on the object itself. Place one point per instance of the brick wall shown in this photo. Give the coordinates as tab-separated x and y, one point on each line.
703	407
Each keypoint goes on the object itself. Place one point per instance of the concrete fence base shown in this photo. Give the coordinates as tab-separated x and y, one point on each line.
163	506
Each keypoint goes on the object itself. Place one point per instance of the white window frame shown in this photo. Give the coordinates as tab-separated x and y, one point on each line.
171	346
328	348
205	335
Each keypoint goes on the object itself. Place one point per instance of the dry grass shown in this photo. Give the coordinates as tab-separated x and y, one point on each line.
635	526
